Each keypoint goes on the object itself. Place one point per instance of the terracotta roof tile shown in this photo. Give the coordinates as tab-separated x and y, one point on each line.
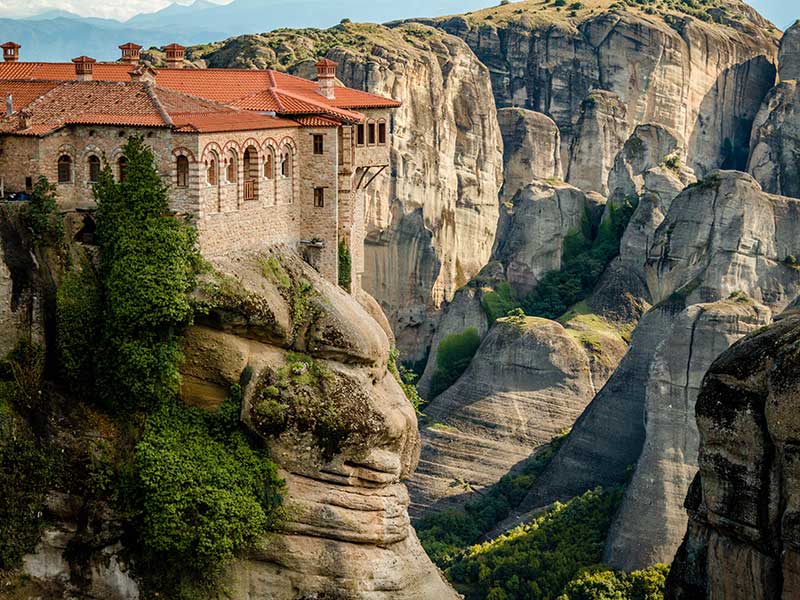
24	92
242	87
317	122
228	121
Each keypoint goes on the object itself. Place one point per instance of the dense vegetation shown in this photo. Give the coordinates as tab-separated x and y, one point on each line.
447	534
195	491
537	560
585	258
345	267
453	356
600	583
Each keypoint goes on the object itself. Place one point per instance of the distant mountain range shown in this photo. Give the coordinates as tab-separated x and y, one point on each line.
60	35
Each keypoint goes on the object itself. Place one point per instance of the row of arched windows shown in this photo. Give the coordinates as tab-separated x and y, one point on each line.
66	170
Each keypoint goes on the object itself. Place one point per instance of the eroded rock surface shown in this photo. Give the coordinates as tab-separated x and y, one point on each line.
529	380
789	54
531	148
667	68
651	522
742	538
336	421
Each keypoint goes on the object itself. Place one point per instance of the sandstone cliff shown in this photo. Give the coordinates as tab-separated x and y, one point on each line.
431	222
789	54
742	538
651	521
529	380
719	237
702	78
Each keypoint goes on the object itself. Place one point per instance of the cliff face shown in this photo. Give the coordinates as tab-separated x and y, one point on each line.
742	538
703	80
347	532
651	521
529	380
789	55
431	221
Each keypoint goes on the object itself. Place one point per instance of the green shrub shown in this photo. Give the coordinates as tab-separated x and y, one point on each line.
147	269
43	216
537	560
345	267
453	357
406	378
25	473
583	265
78	310
601	583
204	496
499	302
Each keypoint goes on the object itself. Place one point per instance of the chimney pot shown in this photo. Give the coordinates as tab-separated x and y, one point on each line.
130	53
84	66
143	73
326	76
175	54
9	105
25	119
10	51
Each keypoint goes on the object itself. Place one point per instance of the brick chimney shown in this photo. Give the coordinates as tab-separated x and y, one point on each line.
25	118
10	51
130	53
84	65
326	75
175	54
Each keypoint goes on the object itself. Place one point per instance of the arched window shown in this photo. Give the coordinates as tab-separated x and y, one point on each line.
371	133
182	168
94	168
230	169
122	168
64	169
286	164
211	171
269	167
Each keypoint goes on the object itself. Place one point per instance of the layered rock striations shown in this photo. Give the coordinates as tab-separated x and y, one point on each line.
431	221
529	380
651	522
721	237
345	439
705	80
742	537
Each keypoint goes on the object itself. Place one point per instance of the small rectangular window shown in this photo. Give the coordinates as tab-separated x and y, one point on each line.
360	135
371	133
319	144
319	197
382	133
28	184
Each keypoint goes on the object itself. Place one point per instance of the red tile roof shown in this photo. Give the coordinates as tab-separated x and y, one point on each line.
24	92
317	122
52	105
246	88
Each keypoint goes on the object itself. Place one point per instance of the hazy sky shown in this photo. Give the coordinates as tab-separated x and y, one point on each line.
782	12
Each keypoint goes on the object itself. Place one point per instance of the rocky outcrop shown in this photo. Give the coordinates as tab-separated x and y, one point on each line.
431	221
742	538
649	172
651	522
529	381
789	54
533	226
667	67
347	532
720	237
775	142
531	148
599	135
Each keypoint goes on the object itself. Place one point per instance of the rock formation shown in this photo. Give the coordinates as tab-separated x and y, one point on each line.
531	148
742	538
651	521
533	226
775	141
667	67
348	531
599	135
720	237
431	222
529	380
789	54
